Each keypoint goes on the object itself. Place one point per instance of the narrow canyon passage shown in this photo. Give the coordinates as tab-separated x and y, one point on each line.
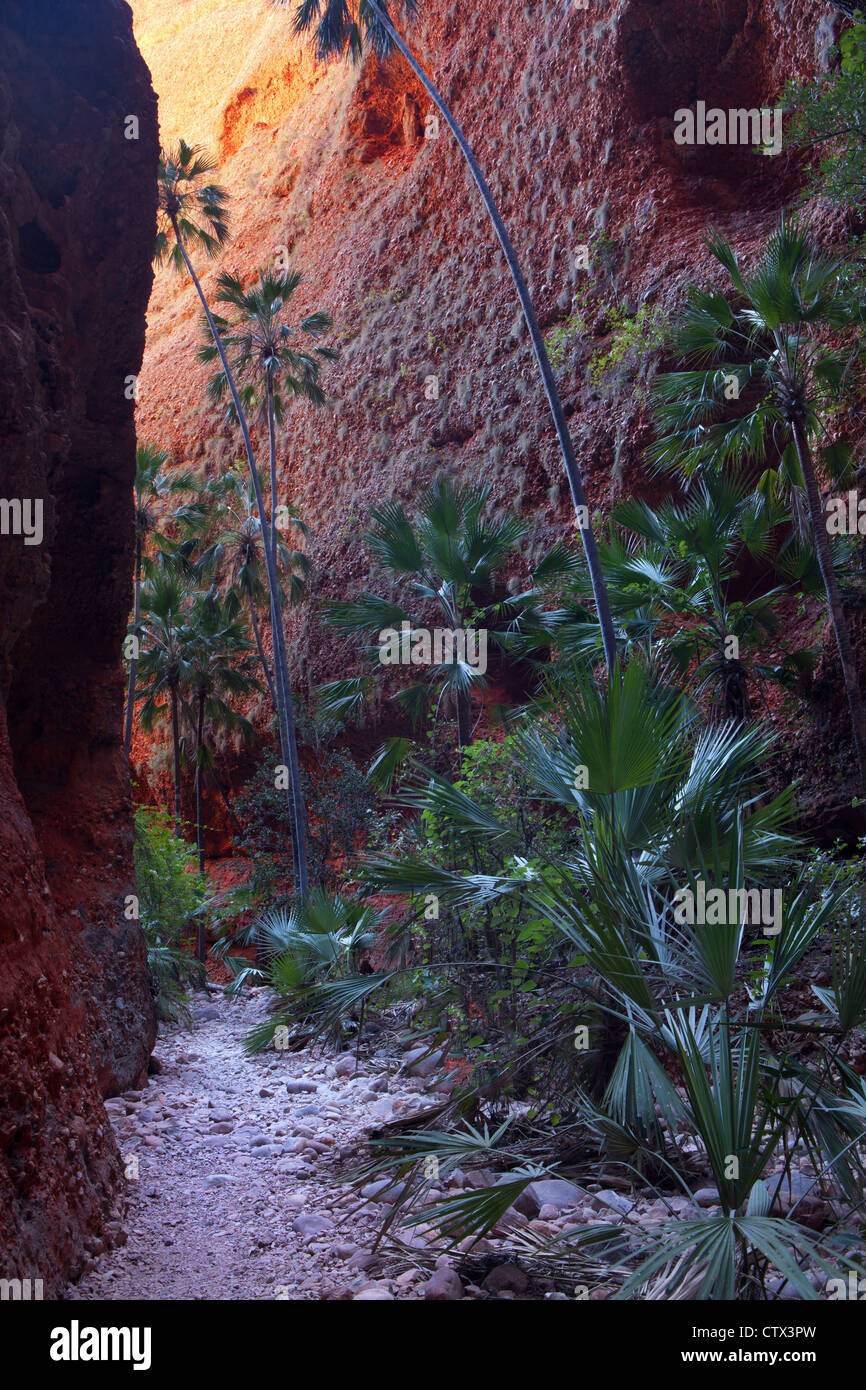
433	625
241	1166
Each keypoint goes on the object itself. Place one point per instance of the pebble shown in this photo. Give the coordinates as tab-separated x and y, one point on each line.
312	1225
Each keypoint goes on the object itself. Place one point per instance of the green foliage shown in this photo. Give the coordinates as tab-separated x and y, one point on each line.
633	338
267	353
171	894
190	210
828	121
451	555
755	363
342	809
667	804
672	573
559	339
310	957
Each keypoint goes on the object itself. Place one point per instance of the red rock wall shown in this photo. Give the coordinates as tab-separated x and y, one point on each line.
570	112
77	212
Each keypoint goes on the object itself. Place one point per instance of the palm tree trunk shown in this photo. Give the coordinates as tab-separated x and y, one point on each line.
175	738
262	658
276	618
133	661
299	839
288	743
464	719
272	460
575	482
201	944
834	599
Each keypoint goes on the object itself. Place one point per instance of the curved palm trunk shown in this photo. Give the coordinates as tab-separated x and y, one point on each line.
276	617
175	738
262	658
272	460
285	714
133	661
834	599
575	482
201	944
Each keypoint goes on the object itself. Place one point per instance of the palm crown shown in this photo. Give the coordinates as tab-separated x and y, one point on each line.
263	343
193	210
756	361
343	26
451	555
234	545
760	378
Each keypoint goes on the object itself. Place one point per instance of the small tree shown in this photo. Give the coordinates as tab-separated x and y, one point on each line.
758	379
163	662
194	211
672	573
228	527
216	667
269	359
153	482
829	119
452	555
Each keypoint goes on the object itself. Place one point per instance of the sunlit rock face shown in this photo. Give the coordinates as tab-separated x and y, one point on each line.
571	111
77	216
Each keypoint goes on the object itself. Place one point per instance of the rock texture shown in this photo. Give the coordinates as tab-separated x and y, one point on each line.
77	211
570	110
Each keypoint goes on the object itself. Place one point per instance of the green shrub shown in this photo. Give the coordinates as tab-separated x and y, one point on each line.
340	806
170	893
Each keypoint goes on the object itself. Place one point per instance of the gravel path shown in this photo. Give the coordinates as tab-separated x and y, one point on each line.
237	1180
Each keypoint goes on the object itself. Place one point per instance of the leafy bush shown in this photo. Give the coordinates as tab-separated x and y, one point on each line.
633	338
310	957
170	894
717	1073
828	115
340	806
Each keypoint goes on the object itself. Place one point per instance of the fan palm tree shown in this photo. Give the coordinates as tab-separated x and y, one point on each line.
757	377
266	364
191	210
663	804
217	668
163	664
153	482
228	524
670	572
344	27
451	554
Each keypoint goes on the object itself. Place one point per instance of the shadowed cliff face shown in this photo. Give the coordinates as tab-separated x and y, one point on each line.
77	211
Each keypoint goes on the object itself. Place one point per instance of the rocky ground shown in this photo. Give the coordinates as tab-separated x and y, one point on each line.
238	1173
241	1181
